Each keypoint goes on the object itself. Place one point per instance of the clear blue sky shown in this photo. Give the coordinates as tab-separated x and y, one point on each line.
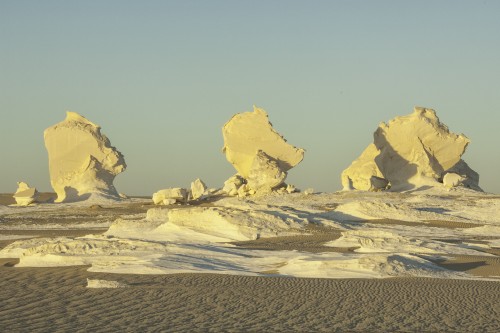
162	77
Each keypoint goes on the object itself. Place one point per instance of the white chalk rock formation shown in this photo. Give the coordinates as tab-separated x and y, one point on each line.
198	189
363	174
170	196
265	173
452	179
408	152
261	155
82	161
209	223
470	178
233	184
25	195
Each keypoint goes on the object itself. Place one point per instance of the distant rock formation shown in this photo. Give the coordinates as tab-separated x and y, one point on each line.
82	161
25	194
260	155
411	151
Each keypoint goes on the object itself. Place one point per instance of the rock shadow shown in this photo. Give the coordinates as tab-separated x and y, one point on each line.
72	195
396	169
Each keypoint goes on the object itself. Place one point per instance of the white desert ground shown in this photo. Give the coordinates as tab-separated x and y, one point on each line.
421	261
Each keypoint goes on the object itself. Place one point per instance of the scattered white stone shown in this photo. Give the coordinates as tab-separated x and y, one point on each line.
198	189
232	185
260	155
81	160
243	191
309	191
169	201
25	195
95	283
291	188
281	190
452	179
410	151
170	196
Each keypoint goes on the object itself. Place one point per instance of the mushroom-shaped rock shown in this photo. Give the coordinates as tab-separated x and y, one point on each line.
82	161
256	150
25	195
410	151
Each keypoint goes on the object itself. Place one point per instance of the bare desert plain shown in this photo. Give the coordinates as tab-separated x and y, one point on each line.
283	166
422	261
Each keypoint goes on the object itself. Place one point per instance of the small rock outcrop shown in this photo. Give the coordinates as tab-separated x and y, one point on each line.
260	155
198	189
410	151
170	196
82	161
452	179
233	184
25	195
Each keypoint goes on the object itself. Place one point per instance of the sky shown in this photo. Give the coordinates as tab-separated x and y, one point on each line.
162	77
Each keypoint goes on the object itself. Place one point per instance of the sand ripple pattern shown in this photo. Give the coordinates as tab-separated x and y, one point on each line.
57	300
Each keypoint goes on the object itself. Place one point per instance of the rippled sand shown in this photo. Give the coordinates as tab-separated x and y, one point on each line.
56	299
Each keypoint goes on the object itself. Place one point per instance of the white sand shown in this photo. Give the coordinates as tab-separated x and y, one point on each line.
195	239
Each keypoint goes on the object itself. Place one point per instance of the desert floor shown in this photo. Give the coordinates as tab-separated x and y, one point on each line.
56	299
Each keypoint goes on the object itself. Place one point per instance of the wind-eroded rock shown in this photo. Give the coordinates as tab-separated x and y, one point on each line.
25	194
81	159
261	155
410	151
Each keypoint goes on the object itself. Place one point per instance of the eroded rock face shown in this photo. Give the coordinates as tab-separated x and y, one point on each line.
25	194
82	161
408	152
260	155
265	173
359	174
470	178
